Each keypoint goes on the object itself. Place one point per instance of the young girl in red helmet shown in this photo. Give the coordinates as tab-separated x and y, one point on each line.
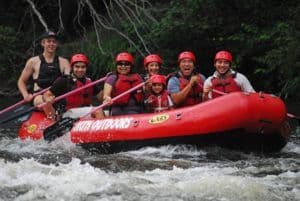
224	78
158	99
152	65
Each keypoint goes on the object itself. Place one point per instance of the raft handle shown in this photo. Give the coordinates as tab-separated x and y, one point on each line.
135	123
261	94
178	116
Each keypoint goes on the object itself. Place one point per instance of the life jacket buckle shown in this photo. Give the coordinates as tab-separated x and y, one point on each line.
135	123
178	116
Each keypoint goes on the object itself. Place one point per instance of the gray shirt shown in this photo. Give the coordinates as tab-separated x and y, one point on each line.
240	79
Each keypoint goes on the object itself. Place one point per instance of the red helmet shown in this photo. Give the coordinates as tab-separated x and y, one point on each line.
158	79
79	58
224	55
124	56
187	55
152	58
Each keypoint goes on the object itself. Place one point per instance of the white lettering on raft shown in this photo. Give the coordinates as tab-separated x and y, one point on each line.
103	124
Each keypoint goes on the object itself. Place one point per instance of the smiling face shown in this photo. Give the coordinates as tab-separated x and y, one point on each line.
157	88
222	66
49	44
186	67
153	68
79	69
123	67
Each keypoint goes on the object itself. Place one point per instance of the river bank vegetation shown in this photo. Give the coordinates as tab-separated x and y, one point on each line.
264	36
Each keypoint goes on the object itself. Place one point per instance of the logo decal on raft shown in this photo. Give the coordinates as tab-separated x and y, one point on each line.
157	119
103	124
31	128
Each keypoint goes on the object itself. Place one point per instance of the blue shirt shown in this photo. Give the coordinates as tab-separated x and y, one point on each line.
174	84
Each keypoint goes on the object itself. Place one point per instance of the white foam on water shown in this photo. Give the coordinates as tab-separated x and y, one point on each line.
77	181
289	181
167	151
61	144
62	182
291	147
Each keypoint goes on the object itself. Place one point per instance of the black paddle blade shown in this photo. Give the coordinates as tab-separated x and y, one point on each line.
15	117
59	128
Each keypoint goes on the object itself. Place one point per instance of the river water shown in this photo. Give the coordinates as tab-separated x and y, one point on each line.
61	171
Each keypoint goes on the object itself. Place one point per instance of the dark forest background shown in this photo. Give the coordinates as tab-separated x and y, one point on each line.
263	36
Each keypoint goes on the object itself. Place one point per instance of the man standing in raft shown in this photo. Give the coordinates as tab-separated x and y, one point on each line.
224	79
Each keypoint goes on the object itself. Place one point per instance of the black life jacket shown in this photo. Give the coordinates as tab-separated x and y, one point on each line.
49	72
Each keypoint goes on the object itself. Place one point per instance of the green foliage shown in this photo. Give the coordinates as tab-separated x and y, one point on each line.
101	59
263	36
8	41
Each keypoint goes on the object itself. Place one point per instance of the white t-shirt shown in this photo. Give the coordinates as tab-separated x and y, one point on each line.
240	79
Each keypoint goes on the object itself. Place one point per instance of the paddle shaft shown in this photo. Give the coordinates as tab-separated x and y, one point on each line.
60	127
56	99
21	102
289	115
115	98
74	91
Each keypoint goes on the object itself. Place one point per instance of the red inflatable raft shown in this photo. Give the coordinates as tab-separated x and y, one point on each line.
254	121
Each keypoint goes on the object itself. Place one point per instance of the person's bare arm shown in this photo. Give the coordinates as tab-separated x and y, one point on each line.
24	77
107	93
48	96
100	96
207	89
46	100
64	66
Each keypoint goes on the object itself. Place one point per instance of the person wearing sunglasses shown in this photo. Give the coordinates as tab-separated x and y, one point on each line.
121	81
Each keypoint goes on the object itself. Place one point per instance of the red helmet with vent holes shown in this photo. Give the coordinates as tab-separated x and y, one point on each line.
158	79
79	58
124	56
224	55
152	58
186	55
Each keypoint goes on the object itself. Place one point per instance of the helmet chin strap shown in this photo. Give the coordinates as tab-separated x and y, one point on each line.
223	74
82	79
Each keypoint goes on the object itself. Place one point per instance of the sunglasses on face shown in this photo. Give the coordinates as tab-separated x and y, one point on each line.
123	64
